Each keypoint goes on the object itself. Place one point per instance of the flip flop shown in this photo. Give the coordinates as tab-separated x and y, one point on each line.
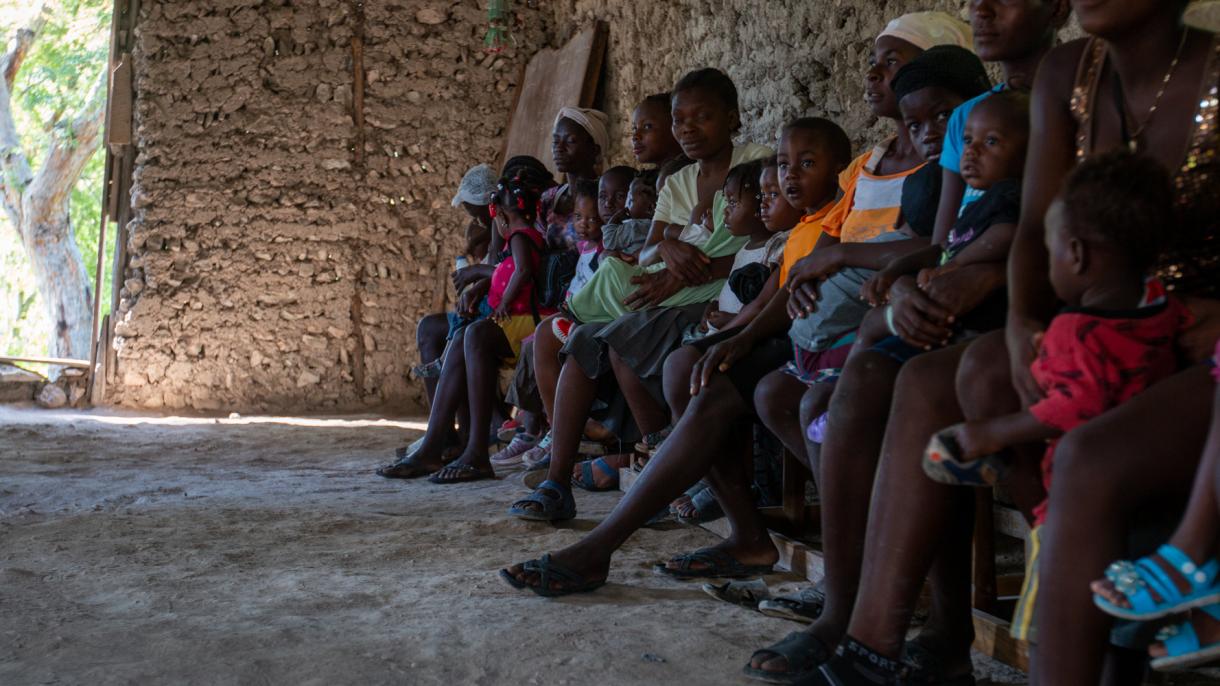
548	570
1183	644
707	508
803	651
405	469
717	564
462	473
744	593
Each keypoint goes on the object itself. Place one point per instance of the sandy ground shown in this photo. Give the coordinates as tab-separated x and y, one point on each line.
238	552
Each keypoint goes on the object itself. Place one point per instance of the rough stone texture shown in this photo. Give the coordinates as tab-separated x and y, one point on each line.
787	58
280	254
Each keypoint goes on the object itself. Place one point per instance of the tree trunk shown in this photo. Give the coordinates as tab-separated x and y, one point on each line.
59	272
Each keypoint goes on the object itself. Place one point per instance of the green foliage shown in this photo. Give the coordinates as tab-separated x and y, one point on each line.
55	83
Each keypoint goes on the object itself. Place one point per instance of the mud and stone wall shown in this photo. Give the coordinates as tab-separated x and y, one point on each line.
285	247
287	238
787	58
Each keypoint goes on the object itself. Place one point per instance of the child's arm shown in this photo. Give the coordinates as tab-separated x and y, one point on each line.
987	436
757	305
991	247
523	272
876	290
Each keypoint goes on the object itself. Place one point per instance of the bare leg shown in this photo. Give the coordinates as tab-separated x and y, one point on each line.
485	349
649	415
912	518
430	338
450	394
677	380
778	399
547	365
859	410
1142	452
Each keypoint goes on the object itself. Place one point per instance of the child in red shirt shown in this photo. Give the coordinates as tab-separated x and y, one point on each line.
1114	339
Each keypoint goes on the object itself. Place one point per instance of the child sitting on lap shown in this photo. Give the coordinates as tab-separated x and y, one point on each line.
1114	339
624	236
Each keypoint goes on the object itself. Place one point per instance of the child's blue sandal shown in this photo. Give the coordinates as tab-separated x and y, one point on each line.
1139	580
549	507
1183	646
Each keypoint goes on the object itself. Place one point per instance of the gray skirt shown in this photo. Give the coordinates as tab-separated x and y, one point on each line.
643	339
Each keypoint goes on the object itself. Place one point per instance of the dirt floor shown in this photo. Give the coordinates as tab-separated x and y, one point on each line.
260	551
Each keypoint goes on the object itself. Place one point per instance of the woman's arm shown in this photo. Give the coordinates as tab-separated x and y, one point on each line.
952	190
1052	153
523	271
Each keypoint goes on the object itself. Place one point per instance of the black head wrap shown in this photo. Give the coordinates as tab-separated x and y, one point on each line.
948	66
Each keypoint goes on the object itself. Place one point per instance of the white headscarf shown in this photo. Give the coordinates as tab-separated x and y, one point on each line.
477	187
926	29
593	121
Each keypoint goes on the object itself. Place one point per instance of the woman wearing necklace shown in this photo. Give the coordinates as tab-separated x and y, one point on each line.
1165	78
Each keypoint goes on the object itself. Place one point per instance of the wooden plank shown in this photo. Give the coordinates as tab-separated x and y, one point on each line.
58	361
554	79
992	639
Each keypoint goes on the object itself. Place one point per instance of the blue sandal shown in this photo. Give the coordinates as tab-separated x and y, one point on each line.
1138	580
1183	644
550	508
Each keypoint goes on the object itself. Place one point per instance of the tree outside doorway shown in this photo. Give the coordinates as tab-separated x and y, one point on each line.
52	101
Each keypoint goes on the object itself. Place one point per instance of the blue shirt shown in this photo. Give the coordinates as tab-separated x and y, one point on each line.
955	133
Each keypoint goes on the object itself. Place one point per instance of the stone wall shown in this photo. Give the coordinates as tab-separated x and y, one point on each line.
282	251
787	58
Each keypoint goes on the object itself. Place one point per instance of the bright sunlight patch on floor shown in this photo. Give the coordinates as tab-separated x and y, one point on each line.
15	416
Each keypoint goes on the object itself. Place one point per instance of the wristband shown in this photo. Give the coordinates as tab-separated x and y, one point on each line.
889	319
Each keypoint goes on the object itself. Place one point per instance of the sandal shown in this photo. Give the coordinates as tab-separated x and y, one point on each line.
744	593
717	564
650	442
943	464
1183	644
548	570
1137	580
550	508
927	667
706	508
803	606
461	473
405	469
588	480
802	650
856	664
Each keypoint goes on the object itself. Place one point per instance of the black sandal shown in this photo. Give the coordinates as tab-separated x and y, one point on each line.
405	469
803	652
460	474
928	667
717	564
855	664
549	571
